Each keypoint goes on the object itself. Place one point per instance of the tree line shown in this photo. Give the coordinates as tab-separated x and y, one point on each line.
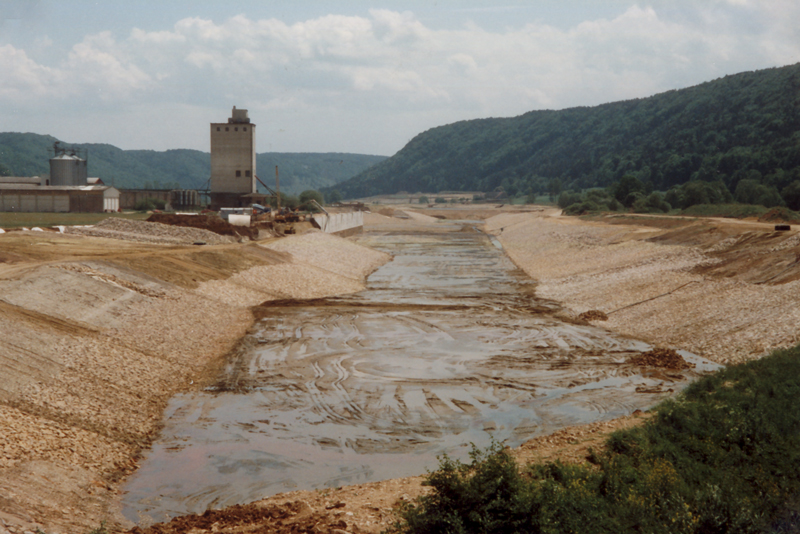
743	128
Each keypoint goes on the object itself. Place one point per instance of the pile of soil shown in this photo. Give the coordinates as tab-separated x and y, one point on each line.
593	315
292	517
389	212
212	223
659	357
779	215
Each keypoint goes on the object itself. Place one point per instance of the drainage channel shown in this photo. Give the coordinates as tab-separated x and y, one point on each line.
448	346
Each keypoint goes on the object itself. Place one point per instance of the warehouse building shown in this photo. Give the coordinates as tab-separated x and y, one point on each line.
26	197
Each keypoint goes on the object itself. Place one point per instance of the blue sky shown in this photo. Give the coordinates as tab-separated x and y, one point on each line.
352	76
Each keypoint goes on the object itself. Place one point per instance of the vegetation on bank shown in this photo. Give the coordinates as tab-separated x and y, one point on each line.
723	456
692	198
740	127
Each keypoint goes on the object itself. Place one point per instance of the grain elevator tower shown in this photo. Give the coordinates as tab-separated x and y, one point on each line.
233	160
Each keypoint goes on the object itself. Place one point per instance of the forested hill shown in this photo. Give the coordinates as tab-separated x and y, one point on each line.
26	154
741	126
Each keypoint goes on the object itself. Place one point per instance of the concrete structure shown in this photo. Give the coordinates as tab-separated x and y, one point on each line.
233	160
60	199
342	224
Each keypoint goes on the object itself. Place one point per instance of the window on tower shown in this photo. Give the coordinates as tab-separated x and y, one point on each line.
238	174
247	174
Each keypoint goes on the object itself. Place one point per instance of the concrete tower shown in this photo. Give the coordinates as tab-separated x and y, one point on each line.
233	159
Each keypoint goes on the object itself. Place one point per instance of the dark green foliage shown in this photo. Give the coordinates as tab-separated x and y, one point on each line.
440	200
720	130
307	196
287	201
423	199
568	198
26	154
698	192
722	457
333	196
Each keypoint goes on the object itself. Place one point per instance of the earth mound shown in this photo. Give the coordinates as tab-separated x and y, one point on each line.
780	215
660	357
212	223
593	315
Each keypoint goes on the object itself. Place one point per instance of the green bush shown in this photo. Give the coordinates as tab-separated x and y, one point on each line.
440	200
723	456
423	199
568	198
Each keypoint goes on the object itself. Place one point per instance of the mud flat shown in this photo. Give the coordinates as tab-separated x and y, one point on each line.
97	334
449	344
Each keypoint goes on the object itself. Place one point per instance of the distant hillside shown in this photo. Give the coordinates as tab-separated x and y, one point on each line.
745	126
25	154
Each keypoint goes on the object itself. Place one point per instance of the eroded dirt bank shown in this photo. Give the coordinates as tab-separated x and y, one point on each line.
97	334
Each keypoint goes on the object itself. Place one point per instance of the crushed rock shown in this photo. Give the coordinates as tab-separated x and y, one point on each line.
149	232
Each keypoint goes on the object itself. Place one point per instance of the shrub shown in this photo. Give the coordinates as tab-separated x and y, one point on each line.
568	198
724	456
440	200
423	199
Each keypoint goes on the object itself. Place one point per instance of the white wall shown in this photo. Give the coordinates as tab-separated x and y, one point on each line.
339	222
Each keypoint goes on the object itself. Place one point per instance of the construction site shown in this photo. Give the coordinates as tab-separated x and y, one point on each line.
292	381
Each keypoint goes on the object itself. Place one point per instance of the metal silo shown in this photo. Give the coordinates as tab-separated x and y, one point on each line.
67	167
64	169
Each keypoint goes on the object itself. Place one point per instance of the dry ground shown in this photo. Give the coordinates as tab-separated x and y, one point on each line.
97	334
726	290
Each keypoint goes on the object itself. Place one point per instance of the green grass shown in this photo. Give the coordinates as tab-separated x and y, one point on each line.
734	211
723	456
46	220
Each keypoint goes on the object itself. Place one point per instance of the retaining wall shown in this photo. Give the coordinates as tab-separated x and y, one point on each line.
342	224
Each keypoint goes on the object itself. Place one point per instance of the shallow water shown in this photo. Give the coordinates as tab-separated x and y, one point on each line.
447	346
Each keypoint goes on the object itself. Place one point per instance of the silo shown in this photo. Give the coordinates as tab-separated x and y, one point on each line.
64	170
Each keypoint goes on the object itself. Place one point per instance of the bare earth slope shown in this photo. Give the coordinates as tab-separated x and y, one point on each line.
724	289
97	334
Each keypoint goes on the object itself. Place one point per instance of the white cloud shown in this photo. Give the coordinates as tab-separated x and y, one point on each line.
368	73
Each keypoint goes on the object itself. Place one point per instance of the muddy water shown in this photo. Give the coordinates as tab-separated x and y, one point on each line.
447	346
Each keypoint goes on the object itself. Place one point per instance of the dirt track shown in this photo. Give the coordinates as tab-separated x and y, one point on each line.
138	322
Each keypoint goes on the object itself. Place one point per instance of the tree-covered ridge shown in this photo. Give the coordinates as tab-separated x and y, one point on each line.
744	126
26	154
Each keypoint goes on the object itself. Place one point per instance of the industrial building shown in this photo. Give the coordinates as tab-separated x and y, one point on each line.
67	189
59	198
233	162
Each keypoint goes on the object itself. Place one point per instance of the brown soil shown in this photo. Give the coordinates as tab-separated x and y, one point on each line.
212	223
660	357
593	315
84	320
779	215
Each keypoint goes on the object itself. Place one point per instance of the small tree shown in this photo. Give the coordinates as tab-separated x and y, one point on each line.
333	196
423	199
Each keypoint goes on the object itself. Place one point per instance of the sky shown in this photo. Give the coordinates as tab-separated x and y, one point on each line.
356	76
